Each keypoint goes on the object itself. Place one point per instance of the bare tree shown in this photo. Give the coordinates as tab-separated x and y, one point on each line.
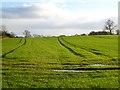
109	25
27	33
3	28
3	31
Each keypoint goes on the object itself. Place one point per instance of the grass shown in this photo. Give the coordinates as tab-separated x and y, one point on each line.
107	45
100	47
9	43
33	64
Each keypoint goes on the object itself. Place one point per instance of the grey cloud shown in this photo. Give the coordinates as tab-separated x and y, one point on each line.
97	25
20	12
89	25
51	28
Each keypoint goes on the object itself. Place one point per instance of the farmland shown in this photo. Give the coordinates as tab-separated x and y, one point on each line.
36	62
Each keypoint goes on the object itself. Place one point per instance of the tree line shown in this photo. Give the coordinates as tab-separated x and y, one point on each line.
109	29
5	33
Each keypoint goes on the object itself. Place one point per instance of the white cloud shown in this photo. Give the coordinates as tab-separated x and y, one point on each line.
55	13
27	5
50	10
64	15
96	1
57	1
45	17
60	1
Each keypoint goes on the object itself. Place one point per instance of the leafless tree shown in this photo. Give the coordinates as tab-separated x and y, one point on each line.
109	25
27	33
3	30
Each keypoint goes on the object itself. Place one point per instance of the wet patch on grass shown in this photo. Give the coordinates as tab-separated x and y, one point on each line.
97	52
71	71
100	65
85	69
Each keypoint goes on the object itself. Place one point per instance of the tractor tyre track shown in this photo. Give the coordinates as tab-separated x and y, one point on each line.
19	41
13	49
71	50
93	51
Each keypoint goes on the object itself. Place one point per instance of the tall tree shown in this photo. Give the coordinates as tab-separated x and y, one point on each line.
5	33
109	25
3	30
27	33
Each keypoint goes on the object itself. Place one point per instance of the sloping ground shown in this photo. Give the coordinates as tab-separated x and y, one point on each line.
107	45
102	47
33	65
15	48
10	43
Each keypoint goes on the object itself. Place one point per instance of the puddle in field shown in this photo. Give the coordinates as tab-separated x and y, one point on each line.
84	70
97	65
92	65
71	71
71	65
100	65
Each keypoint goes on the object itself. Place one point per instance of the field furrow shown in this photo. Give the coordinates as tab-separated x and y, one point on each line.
70	49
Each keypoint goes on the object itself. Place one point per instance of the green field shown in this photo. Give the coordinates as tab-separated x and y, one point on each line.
89	61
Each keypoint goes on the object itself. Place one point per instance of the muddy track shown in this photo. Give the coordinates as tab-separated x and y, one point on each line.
71	50
93	51
112	68
19	41
13	49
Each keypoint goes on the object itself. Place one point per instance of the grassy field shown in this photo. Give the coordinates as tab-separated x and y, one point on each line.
35	62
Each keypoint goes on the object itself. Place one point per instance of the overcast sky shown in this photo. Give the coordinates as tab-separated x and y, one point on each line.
56	17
